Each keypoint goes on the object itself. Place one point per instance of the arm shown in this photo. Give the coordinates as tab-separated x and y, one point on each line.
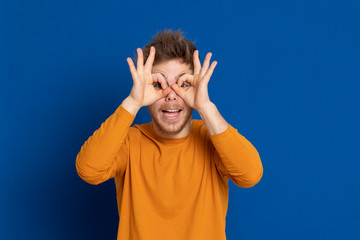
105	153
98	159
235	157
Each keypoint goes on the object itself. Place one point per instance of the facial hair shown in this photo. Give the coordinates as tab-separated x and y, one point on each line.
169	129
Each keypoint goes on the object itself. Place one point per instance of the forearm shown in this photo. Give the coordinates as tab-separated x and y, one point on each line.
213	120
239	160
96	161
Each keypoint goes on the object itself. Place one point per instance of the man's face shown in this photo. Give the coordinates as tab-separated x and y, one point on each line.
171	115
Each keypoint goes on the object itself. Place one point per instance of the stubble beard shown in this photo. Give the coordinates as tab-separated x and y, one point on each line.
174	128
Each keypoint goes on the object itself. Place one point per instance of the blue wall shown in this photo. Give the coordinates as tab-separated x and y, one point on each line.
287	79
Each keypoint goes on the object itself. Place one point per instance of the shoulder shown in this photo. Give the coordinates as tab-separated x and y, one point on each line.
140	130
198	124
199	129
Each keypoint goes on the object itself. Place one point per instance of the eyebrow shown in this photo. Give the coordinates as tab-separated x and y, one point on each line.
181	74
177	77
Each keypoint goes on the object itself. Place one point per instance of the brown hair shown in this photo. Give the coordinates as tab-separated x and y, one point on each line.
170	45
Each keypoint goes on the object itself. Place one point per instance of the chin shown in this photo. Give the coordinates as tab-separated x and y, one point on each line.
170	121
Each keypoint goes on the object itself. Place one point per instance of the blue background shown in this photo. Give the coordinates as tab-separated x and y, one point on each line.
287	79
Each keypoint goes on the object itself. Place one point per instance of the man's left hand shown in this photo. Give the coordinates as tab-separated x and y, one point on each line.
193	89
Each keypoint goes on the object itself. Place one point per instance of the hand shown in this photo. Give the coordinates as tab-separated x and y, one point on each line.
147	87
193	89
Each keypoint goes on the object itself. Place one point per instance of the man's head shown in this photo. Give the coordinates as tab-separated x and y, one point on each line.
174	57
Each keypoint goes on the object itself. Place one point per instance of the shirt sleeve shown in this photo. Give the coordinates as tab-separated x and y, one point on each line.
103	155
237	158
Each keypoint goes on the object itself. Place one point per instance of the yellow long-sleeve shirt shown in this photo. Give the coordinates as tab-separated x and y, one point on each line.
168	189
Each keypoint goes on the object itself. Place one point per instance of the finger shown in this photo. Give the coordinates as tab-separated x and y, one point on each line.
185	78
140	60
162	81
150	60
178	90
209	72
163	92
158	78
206	64
197	63
132	68
180	81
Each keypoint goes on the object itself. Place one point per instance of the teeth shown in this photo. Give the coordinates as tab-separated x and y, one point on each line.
171	114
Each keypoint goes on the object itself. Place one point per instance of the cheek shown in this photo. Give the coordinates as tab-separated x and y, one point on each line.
155	106
183	103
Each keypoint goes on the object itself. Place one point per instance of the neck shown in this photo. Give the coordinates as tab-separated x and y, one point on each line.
178	134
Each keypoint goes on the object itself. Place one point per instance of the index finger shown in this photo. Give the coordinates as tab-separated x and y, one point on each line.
185	78
160	79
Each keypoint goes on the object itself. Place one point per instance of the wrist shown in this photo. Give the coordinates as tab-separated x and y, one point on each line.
130	105
205	107
213	120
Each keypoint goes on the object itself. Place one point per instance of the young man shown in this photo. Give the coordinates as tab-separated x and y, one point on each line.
171	174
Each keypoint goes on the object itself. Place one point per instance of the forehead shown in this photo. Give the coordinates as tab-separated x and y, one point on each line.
173	66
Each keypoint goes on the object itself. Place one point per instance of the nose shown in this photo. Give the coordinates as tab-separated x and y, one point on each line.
172	96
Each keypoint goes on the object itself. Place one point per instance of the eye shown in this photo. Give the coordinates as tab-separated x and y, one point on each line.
157	85
185	85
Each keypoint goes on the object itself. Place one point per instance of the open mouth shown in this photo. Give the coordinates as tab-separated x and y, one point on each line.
171	114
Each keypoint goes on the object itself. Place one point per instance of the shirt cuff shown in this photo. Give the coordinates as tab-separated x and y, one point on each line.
125	115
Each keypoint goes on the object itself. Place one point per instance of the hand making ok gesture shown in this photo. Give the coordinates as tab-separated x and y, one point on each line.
143	92
196	94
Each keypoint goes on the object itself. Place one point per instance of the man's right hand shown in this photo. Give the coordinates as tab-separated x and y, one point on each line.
145	90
